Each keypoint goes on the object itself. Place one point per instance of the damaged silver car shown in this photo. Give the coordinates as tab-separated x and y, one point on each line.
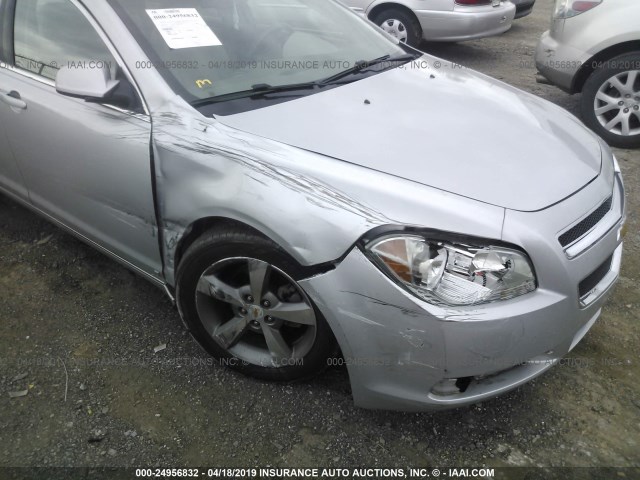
311	192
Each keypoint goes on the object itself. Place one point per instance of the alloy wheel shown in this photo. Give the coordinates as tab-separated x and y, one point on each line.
617	104
256	312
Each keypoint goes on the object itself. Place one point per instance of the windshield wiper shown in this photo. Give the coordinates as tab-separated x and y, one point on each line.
362	65
263	89
258	90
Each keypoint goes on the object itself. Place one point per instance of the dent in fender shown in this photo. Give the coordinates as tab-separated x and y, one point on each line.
240	177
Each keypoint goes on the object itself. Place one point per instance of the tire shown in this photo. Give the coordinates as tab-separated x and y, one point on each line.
609	80
213	293
399	23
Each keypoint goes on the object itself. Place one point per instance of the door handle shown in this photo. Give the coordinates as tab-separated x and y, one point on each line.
14	100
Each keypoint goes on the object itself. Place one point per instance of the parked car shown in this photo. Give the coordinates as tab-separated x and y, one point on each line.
300	189
523	7
593	48
412	21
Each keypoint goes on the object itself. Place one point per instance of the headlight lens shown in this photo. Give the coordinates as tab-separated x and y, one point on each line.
454	274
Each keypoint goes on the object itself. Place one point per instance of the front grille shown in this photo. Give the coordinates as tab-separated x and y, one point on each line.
585	225
594	278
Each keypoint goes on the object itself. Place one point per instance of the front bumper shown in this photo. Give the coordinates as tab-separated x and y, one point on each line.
402	352
558	62
466	23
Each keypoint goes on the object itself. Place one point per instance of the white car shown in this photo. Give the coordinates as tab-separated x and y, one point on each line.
412	21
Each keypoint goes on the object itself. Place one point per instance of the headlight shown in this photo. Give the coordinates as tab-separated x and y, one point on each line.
454	274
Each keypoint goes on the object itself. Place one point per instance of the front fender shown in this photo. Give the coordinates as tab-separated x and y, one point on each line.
313	206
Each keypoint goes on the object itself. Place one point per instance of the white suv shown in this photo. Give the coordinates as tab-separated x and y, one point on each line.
593	47
438	20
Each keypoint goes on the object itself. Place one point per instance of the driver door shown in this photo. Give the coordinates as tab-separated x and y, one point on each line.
85	164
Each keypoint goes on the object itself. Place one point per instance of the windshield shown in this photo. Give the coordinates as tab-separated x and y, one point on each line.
211	49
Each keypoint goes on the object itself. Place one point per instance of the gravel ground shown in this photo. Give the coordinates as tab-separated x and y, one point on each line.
67	312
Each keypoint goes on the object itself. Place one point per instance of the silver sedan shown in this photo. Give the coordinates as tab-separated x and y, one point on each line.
312	193
412	21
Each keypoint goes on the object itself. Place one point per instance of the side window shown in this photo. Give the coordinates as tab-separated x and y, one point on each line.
49	34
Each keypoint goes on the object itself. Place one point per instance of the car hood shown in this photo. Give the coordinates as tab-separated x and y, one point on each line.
451	129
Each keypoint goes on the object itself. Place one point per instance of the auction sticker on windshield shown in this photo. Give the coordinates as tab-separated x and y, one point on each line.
183	28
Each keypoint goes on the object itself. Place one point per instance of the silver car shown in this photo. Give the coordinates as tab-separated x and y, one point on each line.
412	21
593	48
295	180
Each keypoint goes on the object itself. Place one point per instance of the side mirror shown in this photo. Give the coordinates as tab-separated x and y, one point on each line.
90	84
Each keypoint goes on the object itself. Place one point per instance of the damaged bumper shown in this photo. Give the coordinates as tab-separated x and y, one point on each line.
466	23
559	62
406	354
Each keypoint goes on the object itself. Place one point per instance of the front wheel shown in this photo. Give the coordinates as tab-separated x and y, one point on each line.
401	25
610	102
238	295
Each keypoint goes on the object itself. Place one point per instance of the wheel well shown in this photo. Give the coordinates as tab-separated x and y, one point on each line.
607	54
386	6
197	228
